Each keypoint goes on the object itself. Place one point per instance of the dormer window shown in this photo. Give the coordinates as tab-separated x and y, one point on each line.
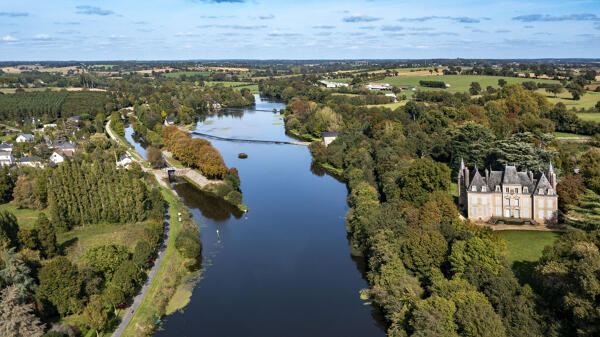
540	191
474	189
483	189
498	188
525	190
550	191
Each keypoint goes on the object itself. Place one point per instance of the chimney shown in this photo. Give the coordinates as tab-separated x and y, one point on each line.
487	176
467	177
531	176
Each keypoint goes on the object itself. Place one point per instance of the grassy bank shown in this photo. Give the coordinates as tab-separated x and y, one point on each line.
25	217
212	189
168	278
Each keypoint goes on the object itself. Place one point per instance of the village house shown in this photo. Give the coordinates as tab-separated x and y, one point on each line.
169	120
379	86
68	148
392	96
328	84
124	161
24	137
508	195
328	137
30	161
6	159
59	156
6	147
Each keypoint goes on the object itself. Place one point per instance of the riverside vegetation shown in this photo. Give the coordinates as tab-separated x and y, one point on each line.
431	272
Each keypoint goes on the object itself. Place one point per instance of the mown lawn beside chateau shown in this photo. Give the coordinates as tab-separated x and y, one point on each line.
527	245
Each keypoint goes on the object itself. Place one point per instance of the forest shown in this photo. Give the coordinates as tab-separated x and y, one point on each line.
432	273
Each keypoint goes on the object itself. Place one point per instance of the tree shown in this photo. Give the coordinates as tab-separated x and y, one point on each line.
106	258
60	285
569	188
114	296
154	156
501	82
434	316
94	314
472	142
555	89
475	88
476	249
576	90
9	230
127	276
116	123
46	236
16	273
24	193
18	319
6	185
424	250
421	177
530	85
141	253
597	106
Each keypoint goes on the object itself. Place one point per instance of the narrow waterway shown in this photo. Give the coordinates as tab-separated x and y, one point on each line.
284	268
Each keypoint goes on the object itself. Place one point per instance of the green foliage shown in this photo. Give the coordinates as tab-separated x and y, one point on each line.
234	197
422	177
141	253
188	242
424	250
126	277
60	285
106	259
16	273
586	213
481	250
117	124
18	318
118	196
29	104
46	237
475	88
569	188
154	157
6	185
9	230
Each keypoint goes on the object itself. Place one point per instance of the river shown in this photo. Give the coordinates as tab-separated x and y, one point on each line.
284	268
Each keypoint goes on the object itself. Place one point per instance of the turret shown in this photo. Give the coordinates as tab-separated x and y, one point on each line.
552	176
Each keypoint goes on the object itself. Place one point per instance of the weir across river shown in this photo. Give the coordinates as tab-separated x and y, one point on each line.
258	141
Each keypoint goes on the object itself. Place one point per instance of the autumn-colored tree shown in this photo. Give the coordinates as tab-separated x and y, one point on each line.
569	188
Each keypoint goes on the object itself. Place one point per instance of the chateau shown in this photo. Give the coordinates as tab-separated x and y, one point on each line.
508	195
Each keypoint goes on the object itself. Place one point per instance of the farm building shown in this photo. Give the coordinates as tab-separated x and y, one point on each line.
328	137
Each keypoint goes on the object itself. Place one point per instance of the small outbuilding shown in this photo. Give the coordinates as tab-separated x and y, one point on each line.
6	159
328	137
32	161
24	137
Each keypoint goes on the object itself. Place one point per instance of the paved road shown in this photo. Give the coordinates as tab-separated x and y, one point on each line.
140	296
159	259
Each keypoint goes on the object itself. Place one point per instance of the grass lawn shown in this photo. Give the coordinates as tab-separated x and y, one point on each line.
25	217
392	106
587	101
78	240
569	135
524	248
458	83
589	116
168	277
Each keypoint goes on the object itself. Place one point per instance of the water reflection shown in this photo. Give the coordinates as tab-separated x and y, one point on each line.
210	206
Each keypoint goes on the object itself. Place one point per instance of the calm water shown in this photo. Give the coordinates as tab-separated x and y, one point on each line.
284	268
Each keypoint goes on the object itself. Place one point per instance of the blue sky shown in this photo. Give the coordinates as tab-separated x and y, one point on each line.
308	29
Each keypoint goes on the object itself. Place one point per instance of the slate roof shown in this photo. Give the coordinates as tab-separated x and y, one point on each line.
477	181
29	159
329	134
542	183
27	136
497	178
511	176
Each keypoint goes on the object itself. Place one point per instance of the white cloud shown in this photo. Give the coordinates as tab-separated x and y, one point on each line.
9	38
43	37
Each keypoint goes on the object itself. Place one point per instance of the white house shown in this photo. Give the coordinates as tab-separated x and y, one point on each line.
125	160
50	125
328	137
58	156
379	86
67	148
392	96
30	161
328	84
6	159
24	137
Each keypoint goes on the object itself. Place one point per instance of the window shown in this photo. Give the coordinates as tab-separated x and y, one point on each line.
498	201
507	190
517	214
549	203
550	191
498	188
540	203
525	190
516	202
485	211
540	214
506	201
484	200
474	211
526	212
498	211
540	191
516	190
483	189
507	213
474	189
550	214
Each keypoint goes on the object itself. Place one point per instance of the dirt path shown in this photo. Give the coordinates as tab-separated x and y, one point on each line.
505	227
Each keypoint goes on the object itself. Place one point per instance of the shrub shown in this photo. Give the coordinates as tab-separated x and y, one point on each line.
234	197
242	156
188	243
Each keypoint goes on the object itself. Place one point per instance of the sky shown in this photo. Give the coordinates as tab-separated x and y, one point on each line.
36	30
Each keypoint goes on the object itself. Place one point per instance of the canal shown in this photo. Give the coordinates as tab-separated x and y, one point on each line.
284	268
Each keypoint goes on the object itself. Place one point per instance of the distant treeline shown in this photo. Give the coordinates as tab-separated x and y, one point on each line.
52	104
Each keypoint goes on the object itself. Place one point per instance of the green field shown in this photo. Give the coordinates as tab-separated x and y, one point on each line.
458	83
78	240
187	73
570	135
25	217
527	245
589	116
587	101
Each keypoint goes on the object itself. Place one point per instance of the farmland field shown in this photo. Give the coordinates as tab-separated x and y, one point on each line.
187	73
458	83
587	101
589	116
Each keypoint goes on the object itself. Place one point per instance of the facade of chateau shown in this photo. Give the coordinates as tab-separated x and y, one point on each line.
508	195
